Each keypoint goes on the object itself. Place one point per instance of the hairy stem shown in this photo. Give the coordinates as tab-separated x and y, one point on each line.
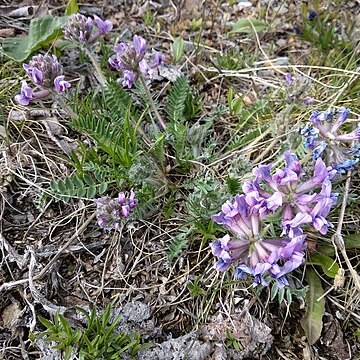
338	238
99	74
153	107
67	108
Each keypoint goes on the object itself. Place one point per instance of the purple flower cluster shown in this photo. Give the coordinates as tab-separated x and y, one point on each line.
85	29
323	138
298	88
288	192
132	59
110	211
46	73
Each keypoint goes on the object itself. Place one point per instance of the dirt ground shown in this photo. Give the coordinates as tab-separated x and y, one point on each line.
39	275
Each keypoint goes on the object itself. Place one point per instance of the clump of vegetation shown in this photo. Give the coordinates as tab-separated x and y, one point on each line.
100	337
247	195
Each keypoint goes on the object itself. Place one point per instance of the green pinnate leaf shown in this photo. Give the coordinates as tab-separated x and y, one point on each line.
91	192
89	180
176	102
158	148
102	188
69	185
62	186
77	182
78	187
233	185
178	244
54	186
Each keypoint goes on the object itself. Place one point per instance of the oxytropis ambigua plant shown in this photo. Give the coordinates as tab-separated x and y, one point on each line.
110	211
46	73
323	138
292	195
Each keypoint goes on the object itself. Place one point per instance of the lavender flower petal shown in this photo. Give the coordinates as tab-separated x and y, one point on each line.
326	141
103	26
223	264
129	79
140	46
60	84
26	94
353	136
341	118
288	78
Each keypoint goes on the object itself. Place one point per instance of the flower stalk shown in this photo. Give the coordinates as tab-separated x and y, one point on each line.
134	62
151	102
99	73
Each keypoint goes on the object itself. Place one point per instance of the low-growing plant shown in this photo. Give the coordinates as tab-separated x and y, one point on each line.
317	29
195	289
234	59
100	338
153	145
148	17
178	244
231	342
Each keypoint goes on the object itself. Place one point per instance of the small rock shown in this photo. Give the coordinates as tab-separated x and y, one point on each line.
281	43
6	33
16	115
136	311
281	10
2	132
220	352
184	347
244	4
11	315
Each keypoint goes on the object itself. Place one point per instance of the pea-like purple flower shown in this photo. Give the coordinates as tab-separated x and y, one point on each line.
43	69
110	211
129	77
85	29
46	73
289	190
323	138
300	200
139	46
103	27
60	84
132	59
251	250
27	94
312	15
